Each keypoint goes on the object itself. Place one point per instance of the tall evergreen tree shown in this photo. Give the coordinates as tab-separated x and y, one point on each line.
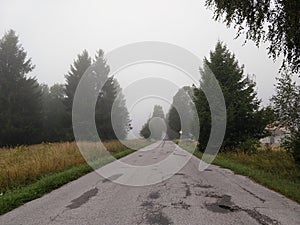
73	77
103	110
145	131
98	73
105	98
120	115
158	112
80	65
174	123
20	96
245	121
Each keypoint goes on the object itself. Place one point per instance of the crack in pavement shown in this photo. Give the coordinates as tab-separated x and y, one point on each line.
113	177
225	205
178	154
181	204
203	185
188	190
254	195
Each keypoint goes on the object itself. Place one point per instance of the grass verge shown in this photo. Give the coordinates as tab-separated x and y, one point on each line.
52	177
273	169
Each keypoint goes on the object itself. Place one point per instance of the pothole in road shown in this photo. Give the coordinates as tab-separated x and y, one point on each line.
158	218
154	195
187	190
147	204
76	203
181	204
225	205
153	214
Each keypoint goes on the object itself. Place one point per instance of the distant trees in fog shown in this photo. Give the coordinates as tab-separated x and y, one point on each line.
181	115
154	127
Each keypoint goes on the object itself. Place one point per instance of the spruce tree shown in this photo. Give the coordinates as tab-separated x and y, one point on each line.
120	114
106	89
245	121
158	112
20	96
145	131
105	99
174	123
80	65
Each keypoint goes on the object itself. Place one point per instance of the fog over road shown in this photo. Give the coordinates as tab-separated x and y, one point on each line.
212	196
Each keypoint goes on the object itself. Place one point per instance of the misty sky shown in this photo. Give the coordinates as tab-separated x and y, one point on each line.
54	32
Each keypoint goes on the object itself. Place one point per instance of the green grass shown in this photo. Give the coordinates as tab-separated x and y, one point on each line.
273	169
23	165
15	197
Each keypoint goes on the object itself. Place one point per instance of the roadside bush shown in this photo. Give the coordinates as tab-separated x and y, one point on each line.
249	146
292	144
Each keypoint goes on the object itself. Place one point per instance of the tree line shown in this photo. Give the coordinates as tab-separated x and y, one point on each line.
246	118
32	113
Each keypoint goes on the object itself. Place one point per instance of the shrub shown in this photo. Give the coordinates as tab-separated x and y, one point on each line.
292	144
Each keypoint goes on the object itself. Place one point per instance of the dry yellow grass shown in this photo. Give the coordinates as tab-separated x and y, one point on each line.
25	164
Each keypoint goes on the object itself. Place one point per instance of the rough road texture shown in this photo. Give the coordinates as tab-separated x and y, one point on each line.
213	196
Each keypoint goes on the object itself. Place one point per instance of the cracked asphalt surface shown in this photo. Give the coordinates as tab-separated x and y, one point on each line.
213	196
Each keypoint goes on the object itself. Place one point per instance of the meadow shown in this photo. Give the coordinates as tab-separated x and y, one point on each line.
28	172
24	164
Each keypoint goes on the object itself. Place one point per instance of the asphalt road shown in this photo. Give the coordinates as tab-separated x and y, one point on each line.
213	196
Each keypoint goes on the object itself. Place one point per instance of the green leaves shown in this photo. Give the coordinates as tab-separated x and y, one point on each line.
275	22
286	104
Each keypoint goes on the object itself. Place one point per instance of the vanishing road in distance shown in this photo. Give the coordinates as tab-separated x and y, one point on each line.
212	196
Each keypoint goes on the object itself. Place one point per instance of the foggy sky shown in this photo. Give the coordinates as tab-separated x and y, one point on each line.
53	32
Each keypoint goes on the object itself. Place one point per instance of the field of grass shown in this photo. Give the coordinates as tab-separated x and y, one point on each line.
274	169
28	172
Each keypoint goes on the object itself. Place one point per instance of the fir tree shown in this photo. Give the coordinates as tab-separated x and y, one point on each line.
20	96
245	121
80	65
